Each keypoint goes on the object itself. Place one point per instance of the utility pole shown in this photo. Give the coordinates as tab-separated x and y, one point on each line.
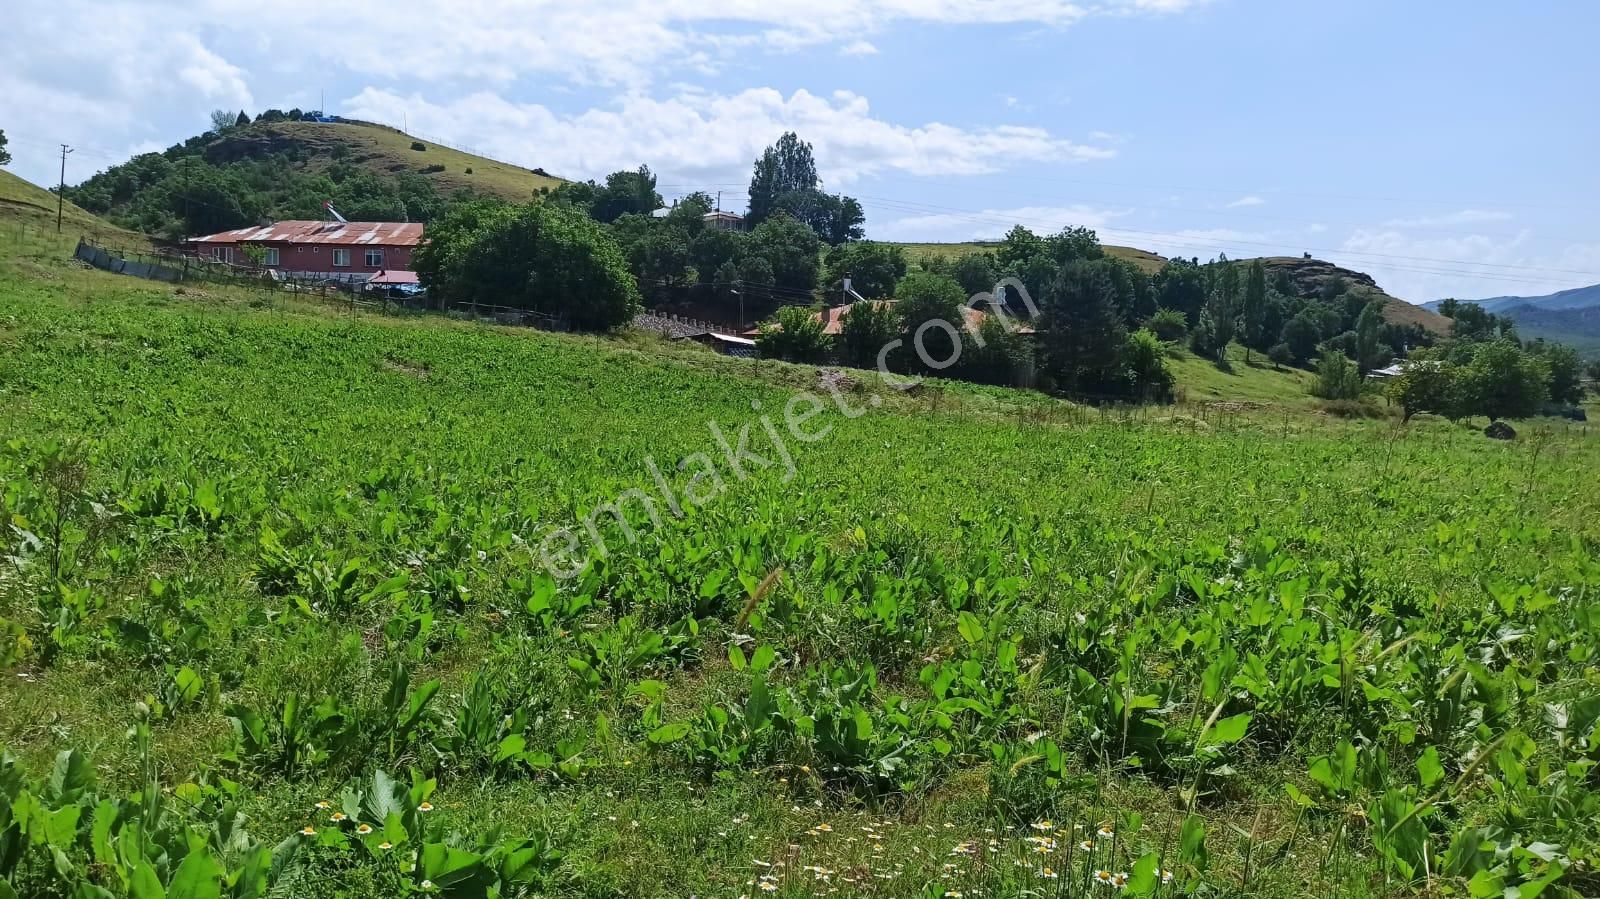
61	192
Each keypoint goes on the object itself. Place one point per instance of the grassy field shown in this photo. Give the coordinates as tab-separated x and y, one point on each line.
387	151
262	556
1149	262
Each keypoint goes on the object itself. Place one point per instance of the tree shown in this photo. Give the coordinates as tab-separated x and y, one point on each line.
790	249
1018	247
785	167
222	120
626	192
1337	378
1280	355
1181	285
836	219
1253	312
242	120
5	155
1081	335
1594	375
1168	325
712	249
440	261
1368	327
975	272
1145	361
542	258
796	336
1223	308
931	317
1564	383
864	331
1075	244
1426	384
873	268
1301	335
1502	381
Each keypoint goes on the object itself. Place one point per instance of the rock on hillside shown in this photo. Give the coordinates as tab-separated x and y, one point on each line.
1310	276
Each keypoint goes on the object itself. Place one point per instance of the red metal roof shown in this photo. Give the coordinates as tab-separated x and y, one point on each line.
382	234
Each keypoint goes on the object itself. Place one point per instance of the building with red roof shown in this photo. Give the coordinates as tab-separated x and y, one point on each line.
353	251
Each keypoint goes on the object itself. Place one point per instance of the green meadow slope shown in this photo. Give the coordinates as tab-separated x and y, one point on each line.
384	151
897	646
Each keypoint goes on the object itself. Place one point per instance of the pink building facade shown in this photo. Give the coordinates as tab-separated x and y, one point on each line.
353	250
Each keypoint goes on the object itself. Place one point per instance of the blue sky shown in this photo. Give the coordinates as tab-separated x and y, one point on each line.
1445	148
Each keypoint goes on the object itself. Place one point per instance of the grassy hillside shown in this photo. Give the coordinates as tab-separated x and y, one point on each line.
28	214
1258	381
1147	261
933	653
383	151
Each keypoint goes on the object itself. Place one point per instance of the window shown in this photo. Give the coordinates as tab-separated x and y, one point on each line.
341	258
374	259
222	254
271	259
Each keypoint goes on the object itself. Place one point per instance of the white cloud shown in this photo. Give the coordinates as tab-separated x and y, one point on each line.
1464	217
116	73
1247	201
697	138
992	224
1467	266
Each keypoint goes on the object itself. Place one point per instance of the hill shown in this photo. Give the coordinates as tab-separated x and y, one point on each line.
317	146
279	169
1309	276
1579	328
1148	262
29	211
1576	298
1314	276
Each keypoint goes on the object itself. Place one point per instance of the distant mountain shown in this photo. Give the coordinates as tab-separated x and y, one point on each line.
1578	327
1576	298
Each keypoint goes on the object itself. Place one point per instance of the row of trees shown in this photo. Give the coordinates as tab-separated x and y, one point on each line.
1489	374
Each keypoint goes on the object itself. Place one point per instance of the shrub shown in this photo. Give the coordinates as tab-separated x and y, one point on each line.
796	336
1337	378
432	169
1168	325
1145	361
468	170
1350	409
864	331
1281	355
418	145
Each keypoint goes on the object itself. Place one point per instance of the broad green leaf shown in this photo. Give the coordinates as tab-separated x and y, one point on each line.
670	733
970	627
198	877
1428	768
446	865
143	884
1228	730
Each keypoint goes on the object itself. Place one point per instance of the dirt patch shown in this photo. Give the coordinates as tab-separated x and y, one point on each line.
400	366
